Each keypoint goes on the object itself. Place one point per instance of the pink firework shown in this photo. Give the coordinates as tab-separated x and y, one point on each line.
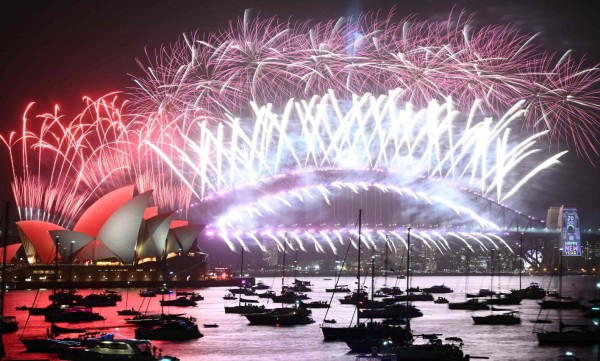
58	166
271	61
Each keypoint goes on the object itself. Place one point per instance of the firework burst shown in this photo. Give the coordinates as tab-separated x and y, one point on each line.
270	61
269	117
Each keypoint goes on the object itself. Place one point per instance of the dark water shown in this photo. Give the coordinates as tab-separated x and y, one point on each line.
236	338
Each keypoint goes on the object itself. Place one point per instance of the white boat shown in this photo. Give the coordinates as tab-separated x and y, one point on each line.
107	348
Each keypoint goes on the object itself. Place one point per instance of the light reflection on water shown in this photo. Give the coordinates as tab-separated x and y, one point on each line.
234	337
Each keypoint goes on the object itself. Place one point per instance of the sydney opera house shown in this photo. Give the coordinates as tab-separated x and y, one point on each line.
118	240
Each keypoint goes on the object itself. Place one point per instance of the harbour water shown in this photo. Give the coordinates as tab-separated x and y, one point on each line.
235	338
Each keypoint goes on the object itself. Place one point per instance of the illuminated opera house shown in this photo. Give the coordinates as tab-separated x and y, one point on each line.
118	239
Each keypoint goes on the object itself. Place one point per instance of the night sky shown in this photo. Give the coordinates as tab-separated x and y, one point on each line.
58	51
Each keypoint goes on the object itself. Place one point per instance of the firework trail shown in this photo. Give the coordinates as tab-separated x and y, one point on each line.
60	167
353	105
268	61
281	129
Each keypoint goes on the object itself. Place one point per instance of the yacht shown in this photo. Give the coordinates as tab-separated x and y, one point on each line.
472	304
71	314
533	292
339	289
180	329
182	301
282	316
392	311
507	318
438	289
108	348
430	349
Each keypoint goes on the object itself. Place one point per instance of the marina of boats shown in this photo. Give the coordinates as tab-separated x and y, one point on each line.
436	319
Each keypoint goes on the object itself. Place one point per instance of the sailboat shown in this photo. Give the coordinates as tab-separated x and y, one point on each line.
127	311
499	299
282	316
534	291
567	334
243	308
362	330
169	328
49	341
505	318
407	349
473	304
381	309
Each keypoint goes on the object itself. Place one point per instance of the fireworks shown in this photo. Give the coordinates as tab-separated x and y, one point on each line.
280	131
269	62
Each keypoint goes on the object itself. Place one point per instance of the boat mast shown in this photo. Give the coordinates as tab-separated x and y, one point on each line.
372	276
3	285
359	289
54	284
241	278
407	284
164	277
127	296
295	266
283	268
491	271
560	295
520	260
385	271
372	280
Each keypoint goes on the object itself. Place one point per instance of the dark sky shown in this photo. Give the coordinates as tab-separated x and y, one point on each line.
59	51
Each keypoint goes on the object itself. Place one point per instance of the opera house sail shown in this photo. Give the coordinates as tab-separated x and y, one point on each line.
120	239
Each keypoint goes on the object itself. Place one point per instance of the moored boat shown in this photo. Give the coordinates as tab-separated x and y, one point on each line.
392	311
99	300
438	289
361	330
533	292
72	314
314	304
246	308
483	292
182	301
108	348
472	304
129	312
9	324
339	289
180	329
282	316
507	318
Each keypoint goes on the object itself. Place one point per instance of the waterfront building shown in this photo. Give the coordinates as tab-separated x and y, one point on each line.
119	238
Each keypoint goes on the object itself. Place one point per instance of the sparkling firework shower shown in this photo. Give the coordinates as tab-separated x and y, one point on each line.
270	61
280	131
284	123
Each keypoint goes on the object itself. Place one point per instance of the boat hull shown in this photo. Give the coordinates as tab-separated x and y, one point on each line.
167	334
331	333
568	337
